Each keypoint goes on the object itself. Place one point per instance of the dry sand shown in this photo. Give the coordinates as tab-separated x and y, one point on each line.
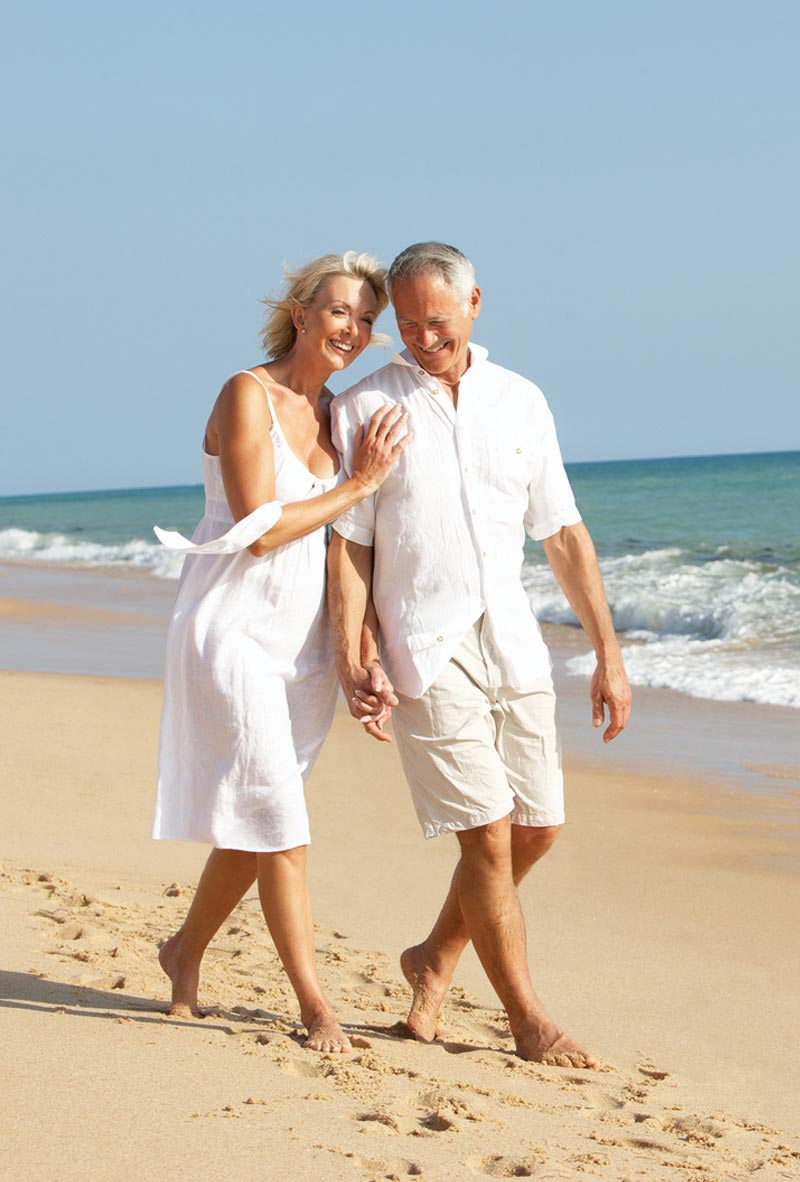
662	930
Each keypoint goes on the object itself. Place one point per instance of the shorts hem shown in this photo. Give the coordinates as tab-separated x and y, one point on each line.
537	820
437	828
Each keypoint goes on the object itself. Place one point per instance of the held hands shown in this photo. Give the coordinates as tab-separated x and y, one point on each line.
379	445
370	698
610	688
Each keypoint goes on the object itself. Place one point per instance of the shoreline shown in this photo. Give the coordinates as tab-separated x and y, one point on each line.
106	622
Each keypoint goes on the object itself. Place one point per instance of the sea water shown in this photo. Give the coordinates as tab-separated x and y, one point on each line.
700	557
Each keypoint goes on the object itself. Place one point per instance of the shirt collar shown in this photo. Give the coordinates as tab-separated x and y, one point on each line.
477	354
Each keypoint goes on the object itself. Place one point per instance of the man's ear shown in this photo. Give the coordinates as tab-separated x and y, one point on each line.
475	302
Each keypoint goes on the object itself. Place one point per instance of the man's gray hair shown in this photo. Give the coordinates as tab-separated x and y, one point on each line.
435	258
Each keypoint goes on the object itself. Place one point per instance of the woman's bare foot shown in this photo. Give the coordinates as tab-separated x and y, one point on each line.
428	991
325	1034
553	1047
185	979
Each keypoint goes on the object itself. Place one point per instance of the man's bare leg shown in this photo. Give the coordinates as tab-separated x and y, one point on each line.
428	967
493	916
287	909
226	879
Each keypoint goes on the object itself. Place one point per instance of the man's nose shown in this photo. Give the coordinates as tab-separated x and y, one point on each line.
427	337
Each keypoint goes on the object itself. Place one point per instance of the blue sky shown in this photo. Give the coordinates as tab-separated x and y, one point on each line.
623	174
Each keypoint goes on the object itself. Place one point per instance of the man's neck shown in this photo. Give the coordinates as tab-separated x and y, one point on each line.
450	380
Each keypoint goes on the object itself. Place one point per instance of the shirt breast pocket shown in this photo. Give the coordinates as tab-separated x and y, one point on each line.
508	464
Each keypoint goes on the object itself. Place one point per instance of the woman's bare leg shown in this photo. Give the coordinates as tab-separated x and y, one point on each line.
287	909
226	879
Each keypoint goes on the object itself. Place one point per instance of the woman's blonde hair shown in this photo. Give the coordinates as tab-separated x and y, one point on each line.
302	287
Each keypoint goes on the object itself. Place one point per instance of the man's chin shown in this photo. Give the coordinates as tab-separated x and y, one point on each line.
434	362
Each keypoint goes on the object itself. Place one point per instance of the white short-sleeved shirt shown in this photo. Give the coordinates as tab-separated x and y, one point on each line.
448	525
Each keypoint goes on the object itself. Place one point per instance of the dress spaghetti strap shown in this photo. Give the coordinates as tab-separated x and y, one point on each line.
275	421
281	437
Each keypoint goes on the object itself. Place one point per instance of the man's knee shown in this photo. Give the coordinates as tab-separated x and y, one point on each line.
529	843
487	843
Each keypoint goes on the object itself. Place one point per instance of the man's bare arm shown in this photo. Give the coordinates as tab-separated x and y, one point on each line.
354	622
572	556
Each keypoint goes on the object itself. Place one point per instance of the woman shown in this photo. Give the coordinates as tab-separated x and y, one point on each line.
250	685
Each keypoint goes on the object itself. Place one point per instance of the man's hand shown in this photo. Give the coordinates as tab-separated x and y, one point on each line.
370	697
610	688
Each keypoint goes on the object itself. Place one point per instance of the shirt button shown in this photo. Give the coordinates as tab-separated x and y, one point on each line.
519	451
439	639
421	373
467	469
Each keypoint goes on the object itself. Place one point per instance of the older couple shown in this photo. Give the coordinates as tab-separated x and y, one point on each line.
447	461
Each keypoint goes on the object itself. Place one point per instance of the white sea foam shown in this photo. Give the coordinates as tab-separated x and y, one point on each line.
62	550
727	629
690	667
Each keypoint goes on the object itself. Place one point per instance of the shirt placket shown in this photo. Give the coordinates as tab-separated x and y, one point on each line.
437	399
471	485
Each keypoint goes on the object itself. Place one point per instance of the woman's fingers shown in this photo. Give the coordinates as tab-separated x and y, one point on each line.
367	705
387	421
385	416
382	441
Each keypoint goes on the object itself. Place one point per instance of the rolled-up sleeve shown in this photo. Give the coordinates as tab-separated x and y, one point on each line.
357	524
551	503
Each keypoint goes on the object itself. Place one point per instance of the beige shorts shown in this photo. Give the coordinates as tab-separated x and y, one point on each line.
474	750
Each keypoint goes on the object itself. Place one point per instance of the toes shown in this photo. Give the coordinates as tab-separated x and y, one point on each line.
327	1045
569	1056
558	1061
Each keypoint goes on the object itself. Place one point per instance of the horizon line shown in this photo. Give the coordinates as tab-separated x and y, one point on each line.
567	463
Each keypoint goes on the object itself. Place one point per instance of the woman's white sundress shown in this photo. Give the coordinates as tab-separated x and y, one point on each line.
250	685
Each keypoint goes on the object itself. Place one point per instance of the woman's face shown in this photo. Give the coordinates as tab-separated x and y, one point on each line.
339	322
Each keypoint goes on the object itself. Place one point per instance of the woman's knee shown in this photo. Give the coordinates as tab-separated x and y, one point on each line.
275	860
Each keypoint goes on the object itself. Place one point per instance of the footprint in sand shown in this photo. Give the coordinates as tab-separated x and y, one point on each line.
387	1119
379	1169
443	1112
498	1166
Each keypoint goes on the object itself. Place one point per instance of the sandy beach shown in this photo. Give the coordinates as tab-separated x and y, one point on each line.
662	933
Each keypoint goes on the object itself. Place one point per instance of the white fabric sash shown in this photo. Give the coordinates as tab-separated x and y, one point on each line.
241	534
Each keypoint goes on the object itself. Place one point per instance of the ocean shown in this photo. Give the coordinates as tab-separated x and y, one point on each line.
700	556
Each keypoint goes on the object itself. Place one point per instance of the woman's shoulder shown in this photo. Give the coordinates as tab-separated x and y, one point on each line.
243	396
252	381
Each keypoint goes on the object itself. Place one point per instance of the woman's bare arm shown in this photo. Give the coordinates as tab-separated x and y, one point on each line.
240	424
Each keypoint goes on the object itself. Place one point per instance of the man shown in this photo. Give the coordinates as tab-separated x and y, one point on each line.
439	547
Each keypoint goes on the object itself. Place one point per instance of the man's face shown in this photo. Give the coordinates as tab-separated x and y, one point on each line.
434	324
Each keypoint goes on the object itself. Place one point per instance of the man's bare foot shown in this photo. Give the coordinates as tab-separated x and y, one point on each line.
325	1034
185	980
539	1046
428	991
